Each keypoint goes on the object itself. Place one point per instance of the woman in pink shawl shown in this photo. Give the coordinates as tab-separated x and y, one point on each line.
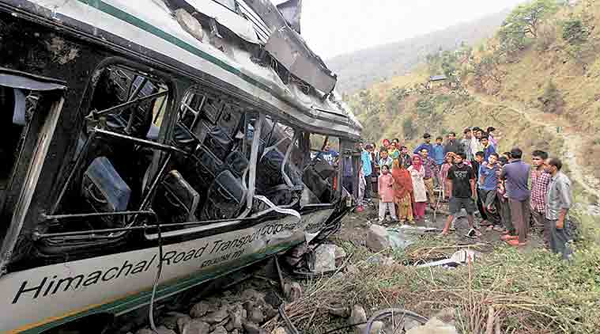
417	173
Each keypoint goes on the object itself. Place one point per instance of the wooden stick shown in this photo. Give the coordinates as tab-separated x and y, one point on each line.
490	322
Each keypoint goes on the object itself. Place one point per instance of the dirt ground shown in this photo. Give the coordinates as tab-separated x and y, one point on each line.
356	225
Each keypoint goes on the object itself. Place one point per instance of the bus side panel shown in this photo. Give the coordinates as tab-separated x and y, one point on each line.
45	297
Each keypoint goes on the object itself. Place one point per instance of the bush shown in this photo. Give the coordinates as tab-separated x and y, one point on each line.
552	100
574	31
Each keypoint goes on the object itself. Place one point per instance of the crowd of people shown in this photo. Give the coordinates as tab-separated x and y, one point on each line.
510	195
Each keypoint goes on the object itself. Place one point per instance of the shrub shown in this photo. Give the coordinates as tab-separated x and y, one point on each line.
551	99
574	31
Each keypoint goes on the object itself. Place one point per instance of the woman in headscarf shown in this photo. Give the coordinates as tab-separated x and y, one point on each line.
417	173
403	190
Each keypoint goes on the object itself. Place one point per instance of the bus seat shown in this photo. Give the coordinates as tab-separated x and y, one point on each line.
104	190
225	198
237	163
176	200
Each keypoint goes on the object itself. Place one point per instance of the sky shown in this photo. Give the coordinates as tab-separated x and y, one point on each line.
334	27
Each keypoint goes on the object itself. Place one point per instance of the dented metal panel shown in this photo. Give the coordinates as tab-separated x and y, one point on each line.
226	17
293	56
290	49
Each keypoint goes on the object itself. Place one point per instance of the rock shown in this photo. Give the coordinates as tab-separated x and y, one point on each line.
219	324
324	258
182	322
235	331
447	315
434	326
200	309
270	312
292	291
376	327
189	23
236	318
377	238
216	316
195	326
279	330
358	315
219	330
144	331
170	320
256	315
272	299
339	311
410	323
352	270
340	255
252	328
159	330
252	295
380	260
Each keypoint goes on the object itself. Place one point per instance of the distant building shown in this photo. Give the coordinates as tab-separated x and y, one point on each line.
437	81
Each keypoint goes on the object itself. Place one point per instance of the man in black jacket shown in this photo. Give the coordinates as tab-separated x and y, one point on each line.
452	144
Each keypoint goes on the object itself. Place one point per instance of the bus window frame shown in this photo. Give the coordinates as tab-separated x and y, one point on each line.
161	154
34	165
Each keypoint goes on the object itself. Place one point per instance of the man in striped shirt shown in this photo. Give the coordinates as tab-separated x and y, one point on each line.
539	190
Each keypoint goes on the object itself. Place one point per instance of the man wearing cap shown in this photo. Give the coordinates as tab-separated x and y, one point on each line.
426	145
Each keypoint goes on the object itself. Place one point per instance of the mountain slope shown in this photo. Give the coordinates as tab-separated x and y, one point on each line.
361	69
542	94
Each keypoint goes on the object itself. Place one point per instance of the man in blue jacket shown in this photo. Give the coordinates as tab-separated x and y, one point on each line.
426	145
438	151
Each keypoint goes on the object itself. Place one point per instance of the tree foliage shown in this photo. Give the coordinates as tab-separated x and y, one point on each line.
574	31
524	23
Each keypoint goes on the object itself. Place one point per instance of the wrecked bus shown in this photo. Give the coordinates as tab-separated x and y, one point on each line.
149	146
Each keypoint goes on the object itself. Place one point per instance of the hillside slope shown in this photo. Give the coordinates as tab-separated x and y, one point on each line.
363	68
551	80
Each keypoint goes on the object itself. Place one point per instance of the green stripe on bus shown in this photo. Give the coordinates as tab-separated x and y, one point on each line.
126	17
141	298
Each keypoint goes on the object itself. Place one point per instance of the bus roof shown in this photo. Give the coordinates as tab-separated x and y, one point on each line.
149	26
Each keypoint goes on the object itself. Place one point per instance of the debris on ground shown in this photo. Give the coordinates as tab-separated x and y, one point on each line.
380	238
398	239
324	259
458	258
235	311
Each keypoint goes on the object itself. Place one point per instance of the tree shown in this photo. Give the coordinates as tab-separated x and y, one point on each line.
574	31
524	22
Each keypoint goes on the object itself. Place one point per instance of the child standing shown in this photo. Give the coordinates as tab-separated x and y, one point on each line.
386	194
